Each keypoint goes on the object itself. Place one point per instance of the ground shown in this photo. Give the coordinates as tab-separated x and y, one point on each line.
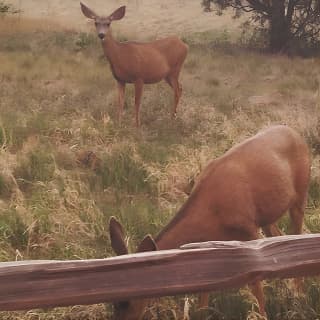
58	105
160	17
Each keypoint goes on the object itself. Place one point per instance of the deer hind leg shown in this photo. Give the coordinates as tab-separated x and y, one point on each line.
256	287
203	304
121	93
272	230
203	300
173	82
247	233
257	291
296	215
138	85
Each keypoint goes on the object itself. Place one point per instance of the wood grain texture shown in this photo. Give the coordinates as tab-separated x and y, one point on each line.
195	267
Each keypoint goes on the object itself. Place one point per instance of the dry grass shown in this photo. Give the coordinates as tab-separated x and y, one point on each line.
58	99
162	17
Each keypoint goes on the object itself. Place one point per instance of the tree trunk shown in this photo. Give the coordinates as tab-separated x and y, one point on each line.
279	28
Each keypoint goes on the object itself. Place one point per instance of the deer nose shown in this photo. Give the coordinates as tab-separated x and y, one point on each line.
101	35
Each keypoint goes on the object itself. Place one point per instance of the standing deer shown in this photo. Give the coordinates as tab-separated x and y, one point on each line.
139	63
248	188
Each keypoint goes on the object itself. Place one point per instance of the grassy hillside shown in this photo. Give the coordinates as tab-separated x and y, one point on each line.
66	165
161	17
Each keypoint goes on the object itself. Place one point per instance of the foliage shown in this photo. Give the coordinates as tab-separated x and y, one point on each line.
289	21
13	229
123	172
5	188
37	166
85	40
6	8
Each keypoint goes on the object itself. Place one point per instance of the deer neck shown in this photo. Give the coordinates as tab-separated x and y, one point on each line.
168	237
111	49
185	227
197	220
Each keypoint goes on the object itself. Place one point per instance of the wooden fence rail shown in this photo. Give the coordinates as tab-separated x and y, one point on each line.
195	267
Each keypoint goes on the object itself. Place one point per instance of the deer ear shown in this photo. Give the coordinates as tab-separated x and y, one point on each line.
147	244
118	14
87	12
117	237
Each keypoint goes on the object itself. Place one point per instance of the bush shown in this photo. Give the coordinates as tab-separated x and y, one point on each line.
85	40
13	229
37	166
6	8
5	187
124	173
314	192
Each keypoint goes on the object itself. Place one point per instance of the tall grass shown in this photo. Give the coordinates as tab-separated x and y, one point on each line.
58	98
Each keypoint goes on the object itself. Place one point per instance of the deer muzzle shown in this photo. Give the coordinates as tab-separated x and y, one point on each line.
101	36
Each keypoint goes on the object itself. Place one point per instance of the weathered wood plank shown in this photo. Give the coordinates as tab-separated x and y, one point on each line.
195	267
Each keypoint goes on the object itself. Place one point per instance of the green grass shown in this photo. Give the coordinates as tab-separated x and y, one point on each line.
124	173
5	187
37	166
314	192
58	98
13	229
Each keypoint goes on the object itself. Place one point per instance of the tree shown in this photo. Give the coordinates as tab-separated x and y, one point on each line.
286	20
7	8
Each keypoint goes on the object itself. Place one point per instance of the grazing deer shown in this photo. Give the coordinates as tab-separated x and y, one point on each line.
248	188
140	63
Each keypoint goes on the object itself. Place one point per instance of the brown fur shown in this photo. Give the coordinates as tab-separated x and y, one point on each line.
248	188
255	182
140	63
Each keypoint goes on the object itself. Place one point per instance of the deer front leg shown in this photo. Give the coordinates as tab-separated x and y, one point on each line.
203	300
138	85
257	290
121	92
173	82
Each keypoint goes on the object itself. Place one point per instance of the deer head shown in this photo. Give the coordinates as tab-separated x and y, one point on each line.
103	23
133	309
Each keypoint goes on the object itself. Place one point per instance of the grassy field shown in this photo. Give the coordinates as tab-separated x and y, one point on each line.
58	103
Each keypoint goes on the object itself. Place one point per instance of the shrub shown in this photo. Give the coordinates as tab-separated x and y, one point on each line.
5	187
314	192
124	173
6	8
13	229
37	166
85	40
